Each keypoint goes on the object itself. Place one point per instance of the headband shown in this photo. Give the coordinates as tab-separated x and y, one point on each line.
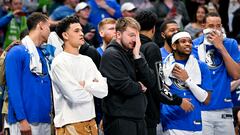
180	35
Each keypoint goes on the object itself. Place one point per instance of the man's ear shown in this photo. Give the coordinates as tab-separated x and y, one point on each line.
118	34
154	30
65	35
101	33
163	35
174	46
39	26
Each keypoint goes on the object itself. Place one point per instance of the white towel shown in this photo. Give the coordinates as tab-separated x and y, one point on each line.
56	41
202	50
192	68
35	62
202	47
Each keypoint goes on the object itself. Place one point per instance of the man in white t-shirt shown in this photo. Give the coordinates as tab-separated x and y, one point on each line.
75	80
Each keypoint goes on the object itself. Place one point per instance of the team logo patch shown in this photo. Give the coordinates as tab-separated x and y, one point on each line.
213	60
179	84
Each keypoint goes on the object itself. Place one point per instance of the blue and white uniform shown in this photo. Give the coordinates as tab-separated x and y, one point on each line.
219	108
174	117
236	97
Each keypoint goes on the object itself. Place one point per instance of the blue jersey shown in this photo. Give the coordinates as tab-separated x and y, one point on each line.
236	97
29	94
174	117
221	96
164	53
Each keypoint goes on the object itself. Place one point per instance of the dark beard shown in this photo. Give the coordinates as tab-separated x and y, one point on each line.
168	40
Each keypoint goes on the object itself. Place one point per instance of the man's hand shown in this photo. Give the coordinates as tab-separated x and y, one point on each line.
25	128
102	4
144	88
186	105
180	73
136	49
216	38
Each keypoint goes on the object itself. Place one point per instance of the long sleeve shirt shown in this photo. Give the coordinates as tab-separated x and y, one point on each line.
29	94
72	101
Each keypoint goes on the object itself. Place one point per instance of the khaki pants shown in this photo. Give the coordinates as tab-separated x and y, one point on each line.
80	128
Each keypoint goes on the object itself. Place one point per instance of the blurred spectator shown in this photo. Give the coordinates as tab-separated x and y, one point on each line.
5	7
195	28
192	6
170	9
141	4
128	9
31	5
103	9
65	10
235	23
233	6
82	11
54	5
213	5
15	22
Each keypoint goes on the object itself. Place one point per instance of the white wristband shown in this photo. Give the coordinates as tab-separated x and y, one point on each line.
198	92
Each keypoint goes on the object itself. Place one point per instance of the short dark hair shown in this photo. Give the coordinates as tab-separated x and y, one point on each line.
34	19
163	27
147	19
211	14
64	25
123	23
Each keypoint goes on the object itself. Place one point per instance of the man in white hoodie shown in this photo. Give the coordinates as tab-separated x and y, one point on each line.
75	80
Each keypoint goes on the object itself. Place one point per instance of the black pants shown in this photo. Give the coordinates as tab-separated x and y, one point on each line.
123	126
151	131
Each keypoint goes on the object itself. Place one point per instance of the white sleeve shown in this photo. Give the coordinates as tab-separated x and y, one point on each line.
68	86
100	88
198	92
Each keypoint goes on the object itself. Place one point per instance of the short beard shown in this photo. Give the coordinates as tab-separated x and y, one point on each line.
168	40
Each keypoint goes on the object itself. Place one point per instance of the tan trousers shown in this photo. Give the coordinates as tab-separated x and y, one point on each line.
80	128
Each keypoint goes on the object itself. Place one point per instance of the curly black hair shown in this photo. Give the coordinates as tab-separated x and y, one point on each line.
64	25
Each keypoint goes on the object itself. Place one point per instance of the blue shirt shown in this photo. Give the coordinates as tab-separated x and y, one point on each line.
174	117
221	96
29	94
5	20
62	12
100	51
164	53
236	97
97	13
